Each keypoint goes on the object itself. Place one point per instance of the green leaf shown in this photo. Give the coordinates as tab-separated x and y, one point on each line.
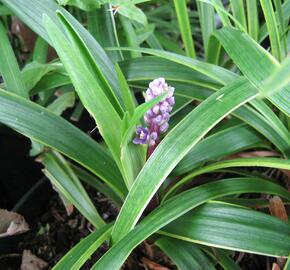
96	183
130	35
255	63
272	26
287	265
101	24
207	23
66	100
253	20
223	143
87	5
86	54
239	12
88	88
133	13
263	32
184	27
33	72
278	80
41	125
190	130
147	68
62	176
81	252
127	95
238	162
235	228
219	74
40	50
186	256
9	67
223	259
31	14
178	206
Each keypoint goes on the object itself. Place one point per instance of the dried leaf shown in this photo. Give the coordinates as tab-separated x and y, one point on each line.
11	223
277	208
31	262
254	154
276	267
153	265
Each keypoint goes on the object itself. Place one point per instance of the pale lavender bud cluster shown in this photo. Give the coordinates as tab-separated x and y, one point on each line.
158	116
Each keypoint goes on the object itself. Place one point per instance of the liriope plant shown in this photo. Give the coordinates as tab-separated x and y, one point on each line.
226	92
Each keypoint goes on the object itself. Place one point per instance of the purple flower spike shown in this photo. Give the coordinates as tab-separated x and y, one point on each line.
158	116
142	135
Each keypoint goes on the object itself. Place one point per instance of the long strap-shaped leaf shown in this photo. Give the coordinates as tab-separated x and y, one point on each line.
171	151
186	256
184	26
255	62
238	162
31	13
9	68
272	27
232	227
176	207
89	90
226	142
62	176
43	126
80	253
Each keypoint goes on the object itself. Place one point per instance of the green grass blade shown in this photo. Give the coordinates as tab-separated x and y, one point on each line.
238	162
87	87
272	26
207	24
255	62
221	11
31	14
80	45
226	142
184	27
278	79
186	256
239	12
221	75
224	259
127	95
9	67
130	34
147	68
101	24
40	51
253	20
62	176
263	33
178	206
39	124
81	252
96	183
287	265
232	227
190	130
281	27
33	72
